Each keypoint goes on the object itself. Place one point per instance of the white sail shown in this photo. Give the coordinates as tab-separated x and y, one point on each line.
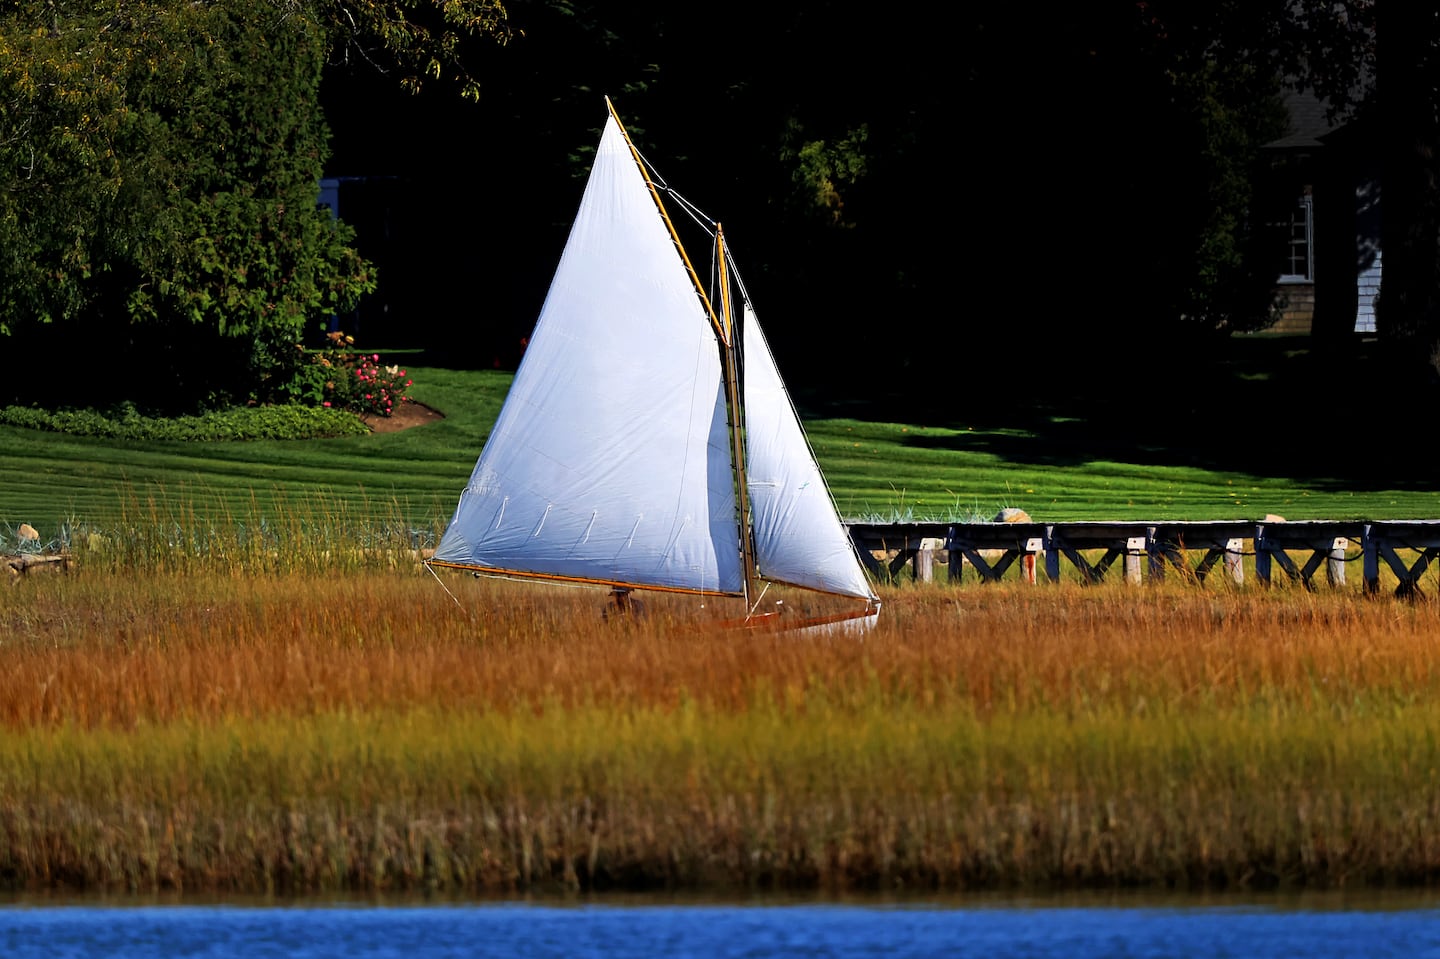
610	460
798	536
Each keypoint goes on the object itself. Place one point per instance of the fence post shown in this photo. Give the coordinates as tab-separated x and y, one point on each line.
1033	545
1134	549
1335	565
924	562
1235	559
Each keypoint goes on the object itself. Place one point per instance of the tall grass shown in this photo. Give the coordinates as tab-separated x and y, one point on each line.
159	530
302	727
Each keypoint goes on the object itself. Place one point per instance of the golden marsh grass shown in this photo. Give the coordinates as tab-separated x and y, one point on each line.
205	727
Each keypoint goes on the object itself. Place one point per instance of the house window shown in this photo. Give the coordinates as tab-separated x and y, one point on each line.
1299	264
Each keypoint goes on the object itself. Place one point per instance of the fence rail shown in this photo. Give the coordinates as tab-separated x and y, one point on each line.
1150	548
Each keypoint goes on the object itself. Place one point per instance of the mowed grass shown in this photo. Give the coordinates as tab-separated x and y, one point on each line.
297	730
410	478
1243	442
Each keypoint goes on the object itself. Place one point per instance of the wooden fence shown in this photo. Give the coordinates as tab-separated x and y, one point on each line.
1147	549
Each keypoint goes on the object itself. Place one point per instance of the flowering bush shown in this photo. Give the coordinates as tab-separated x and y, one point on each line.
358	382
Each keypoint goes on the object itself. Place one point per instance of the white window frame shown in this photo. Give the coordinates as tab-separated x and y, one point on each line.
1302	232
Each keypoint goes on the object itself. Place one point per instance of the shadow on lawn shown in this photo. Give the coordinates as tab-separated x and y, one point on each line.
1263	405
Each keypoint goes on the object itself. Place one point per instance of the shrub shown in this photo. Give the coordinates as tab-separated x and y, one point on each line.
286	422
131	235
356	382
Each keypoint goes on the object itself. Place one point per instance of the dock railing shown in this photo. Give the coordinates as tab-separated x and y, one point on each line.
1148	549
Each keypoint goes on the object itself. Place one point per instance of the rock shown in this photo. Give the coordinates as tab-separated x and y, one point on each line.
26	563
936	547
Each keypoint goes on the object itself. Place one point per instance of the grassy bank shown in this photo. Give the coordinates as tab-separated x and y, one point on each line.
1249	437
374	729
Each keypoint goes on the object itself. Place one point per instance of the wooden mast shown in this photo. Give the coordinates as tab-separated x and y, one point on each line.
730	364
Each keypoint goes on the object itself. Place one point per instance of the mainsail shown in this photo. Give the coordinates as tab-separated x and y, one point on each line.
612	459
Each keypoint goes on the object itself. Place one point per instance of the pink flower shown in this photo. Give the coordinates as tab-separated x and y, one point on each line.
327	403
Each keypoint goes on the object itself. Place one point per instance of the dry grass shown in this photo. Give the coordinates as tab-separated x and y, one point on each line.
202	729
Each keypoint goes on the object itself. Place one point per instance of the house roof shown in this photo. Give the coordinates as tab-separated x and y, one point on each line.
1308	123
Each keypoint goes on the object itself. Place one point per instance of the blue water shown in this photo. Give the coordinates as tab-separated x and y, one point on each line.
29	930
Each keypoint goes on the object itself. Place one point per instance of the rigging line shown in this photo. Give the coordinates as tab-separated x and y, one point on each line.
758	600
432	572
694	209
696	214
739	280
655	176
699	216
658	183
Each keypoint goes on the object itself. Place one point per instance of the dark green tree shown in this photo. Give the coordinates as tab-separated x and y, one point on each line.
159	166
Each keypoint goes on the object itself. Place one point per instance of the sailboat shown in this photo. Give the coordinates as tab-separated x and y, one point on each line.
647	441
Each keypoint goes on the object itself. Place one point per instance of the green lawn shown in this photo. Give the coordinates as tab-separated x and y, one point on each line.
1257	437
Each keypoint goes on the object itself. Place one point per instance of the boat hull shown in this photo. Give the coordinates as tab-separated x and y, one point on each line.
847	623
